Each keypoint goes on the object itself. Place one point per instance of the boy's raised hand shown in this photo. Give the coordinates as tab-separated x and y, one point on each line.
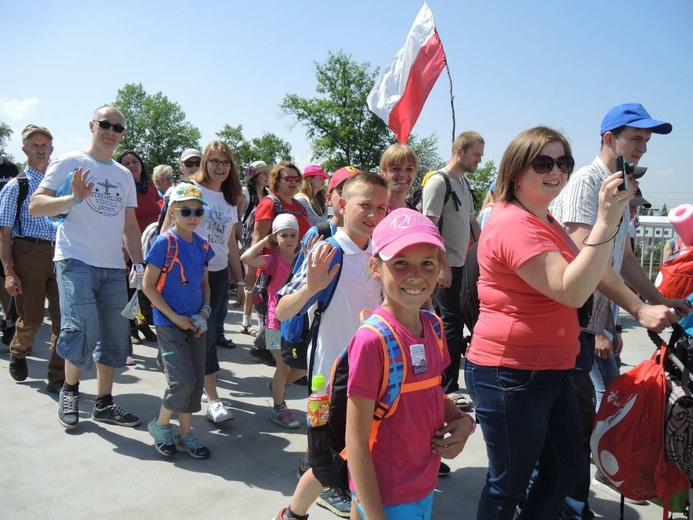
318	272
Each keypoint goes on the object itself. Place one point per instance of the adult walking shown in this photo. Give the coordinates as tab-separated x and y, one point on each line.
532	280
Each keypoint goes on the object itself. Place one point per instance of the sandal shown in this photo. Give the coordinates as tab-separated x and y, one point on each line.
249	330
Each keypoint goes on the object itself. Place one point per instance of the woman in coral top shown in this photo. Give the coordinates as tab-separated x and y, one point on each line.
532	281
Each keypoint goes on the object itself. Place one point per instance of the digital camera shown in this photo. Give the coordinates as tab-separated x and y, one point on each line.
627	168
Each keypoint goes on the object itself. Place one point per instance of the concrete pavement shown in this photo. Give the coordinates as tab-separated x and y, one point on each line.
114	473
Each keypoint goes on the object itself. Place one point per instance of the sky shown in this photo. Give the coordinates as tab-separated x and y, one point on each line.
514	65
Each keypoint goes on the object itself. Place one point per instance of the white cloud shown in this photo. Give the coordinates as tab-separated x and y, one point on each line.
18	109
665	173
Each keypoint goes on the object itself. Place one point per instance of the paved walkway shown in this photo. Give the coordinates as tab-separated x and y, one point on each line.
110	472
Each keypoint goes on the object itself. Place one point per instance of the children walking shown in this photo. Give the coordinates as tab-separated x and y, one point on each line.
282	242
175	280
386	481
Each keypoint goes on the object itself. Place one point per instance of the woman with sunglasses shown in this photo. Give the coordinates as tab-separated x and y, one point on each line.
532	281
147	211
218	180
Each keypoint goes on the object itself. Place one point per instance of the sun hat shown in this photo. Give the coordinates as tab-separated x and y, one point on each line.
188	153
255	168
315	170
284	221
633	115
33	129
186	191
340	176
402	228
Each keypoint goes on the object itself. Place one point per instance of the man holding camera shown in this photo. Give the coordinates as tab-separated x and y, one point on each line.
625	131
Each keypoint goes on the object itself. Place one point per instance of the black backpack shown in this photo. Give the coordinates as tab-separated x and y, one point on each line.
469	294
415	198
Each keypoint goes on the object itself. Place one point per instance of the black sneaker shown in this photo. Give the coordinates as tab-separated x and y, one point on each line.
114	414
336	501
225	343
443	470
68	408
18	369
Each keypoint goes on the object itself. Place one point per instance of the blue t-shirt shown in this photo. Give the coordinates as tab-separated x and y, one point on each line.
184	299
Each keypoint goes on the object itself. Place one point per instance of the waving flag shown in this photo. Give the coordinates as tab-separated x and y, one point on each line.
401	91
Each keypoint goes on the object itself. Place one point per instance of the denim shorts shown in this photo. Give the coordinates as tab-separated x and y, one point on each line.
92	328
419	510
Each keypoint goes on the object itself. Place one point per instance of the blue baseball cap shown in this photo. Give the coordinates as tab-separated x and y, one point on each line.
634	115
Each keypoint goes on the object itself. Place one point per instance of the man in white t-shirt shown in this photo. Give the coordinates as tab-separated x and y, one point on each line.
95	198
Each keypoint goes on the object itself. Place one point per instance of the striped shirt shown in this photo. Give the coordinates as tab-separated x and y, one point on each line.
578	203
32	227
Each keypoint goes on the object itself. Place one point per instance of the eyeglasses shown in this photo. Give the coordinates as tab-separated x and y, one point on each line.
544	163
217	162
190	164
292	178
186	212
106	125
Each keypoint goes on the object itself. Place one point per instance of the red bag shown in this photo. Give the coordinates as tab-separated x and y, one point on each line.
675	278
628	436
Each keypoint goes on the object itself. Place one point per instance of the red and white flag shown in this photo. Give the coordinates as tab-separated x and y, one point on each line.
400	92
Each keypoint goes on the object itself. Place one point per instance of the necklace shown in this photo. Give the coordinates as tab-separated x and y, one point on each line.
548	217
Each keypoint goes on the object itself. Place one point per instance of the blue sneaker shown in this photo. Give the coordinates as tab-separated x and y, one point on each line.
163	438
191	445
336	501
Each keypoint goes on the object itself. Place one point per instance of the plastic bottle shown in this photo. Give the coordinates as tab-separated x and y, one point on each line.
318	402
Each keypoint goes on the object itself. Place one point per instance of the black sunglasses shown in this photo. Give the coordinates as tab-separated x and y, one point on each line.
186	212
190	164
106	125
544	163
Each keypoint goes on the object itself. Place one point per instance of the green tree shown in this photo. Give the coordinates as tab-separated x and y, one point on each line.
480	180
5	134
426	150
269	147
156	127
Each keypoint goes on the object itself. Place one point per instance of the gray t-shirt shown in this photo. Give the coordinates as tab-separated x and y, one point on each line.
456	222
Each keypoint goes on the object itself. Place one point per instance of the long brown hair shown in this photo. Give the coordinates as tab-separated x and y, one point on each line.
231	187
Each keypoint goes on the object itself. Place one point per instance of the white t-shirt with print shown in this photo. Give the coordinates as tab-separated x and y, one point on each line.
217	226
93	230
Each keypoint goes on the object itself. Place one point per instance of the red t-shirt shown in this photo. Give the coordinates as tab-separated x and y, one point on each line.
265	211
518	326
405	467
148	208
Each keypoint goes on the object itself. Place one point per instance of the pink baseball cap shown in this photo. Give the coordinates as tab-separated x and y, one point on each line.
315	170
340	176
402	228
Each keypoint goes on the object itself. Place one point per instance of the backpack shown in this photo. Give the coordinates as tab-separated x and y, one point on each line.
628	436
675	278
327	444
415	199
262	282
172	259
298	332
469	294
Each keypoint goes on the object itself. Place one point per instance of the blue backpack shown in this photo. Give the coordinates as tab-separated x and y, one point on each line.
298	333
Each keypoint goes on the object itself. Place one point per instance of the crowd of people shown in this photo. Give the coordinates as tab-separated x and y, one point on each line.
87	232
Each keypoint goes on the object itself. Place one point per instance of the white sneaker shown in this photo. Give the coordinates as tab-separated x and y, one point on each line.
218	413
226	402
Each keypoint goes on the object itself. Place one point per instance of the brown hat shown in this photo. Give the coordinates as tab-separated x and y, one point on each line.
33	129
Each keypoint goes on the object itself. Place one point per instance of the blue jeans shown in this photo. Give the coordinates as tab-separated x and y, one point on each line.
92	328
528	418
603	372
219	302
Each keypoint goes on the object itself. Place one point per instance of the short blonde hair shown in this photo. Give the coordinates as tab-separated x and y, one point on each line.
161	171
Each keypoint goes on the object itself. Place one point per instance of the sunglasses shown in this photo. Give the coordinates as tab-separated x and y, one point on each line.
217	162
190	164
186	212
544	163
292	178
106	125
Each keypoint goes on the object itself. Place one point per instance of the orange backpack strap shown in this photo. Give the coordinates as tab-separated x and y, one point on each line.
171	259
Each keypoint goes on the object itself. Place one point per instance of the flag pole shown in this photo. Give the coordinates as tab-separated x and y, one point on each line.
452	96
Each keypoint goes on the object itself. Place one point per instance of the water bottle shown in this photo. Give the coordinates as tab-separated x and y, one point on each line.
318	402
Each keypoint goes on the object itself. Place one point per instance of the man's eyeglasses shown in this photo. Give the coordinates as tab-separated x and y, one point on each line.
216	162
292	178
544	163
186	212
190	164
106	125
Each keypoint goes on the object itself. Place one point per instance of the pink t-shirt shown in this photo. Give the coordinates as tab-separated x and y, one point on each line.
405	467
518	326
282	268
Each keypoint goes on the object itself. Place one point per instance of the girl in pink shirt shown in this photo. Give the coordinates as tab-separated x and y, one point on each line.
393	476
282	244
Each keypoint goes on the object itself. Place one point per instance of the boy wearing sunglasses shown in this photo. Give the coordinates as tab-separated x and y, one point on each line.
100	201
175	280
